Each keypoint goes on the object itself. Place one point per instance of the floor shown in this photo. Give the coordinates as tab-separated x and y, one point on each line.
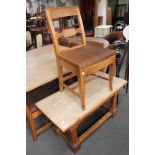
112	138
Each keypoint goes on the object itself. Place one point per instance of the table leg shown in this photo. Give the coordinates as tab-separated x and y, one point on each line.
73	139
113	105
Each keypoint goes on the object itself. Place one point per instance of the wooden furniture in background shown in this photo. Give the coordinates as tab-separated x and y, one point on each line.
66	104
40	69
35	31
112	38
88	7
109	16
81	60
37	20
117	41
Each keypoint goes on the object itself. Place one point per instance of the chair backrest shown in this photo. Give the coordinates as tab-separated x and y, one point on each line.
56	13
39	40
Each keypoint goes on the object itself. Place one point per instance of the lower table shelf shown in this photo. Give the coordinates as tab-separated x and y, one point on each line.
80	132
91	120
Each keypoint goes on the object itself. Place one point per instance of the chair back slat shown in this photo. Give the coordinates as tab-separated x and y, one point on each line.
69	32
62	12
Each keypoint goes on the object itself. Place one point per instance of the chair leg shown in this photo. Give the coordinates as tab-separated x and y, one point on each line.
73	139
111	74
60	75
81	79
32	123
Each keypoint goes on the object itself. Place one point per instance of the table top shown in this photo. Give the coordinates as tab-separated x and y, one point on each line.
69	106
41	66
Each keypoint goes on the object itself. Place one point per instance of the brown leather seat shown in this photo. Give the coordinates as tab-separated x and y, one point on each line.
86	56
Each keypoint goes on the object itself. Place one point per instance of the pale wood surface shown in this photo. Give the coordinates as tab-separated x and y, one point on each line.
64	108
40	66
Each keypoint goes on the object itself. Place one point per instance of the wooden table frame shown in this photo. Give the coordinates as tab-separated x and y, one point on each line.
70	136
72	117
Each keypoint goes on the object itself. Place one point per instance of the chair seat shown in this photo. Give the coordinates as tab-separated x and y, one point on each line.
86	56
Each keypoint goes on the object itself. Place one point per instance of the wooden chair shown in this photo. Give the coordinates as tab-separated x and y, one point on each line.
32	114
81	60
